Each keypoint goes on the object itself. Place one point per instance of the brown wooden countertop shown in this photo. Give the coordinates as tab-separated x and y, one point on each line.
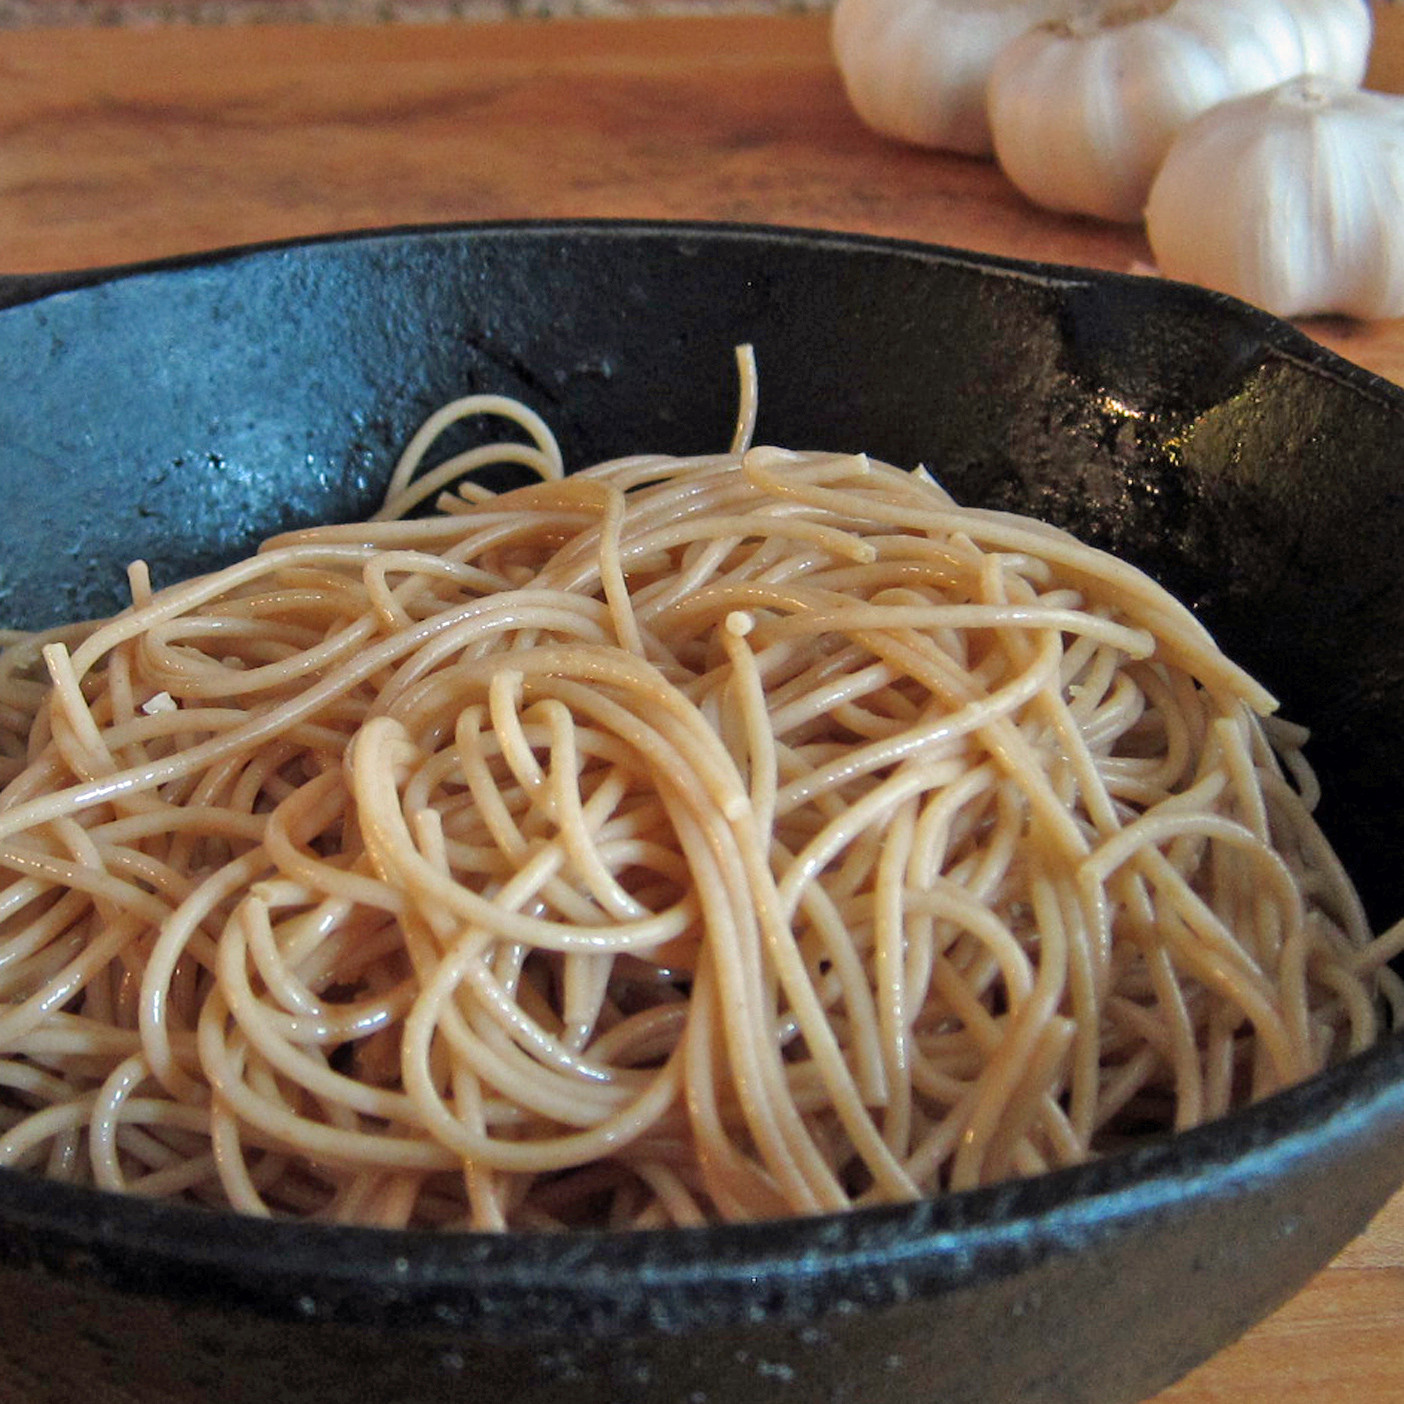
127	144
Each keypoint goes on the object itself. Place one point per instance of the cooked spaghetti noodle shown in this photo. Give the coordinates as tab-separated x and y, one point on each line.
678	840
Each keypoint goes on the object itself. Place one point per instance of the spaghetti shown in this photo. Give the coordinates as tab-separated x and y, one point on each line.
678	840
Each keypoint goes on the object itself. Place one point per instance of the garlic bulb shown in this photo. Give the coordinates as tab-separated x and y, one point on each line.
1083	110
917	69
1292	199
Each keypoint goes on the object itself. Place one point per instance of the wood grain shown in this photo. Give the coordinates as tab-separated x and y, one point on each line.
128	144
120	145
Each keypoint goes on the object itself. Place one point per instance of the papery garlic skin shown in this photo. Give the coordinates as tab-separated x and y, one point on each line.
1083	112
1291	199
917	70
1335	38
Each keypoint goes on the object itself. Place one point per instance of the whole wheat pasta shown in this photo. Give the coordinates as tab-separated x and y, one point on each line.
676	840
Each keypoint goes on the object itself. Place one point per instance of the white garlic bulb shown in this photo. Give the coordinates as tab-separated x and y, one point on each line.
1291	199
917	69
1083	110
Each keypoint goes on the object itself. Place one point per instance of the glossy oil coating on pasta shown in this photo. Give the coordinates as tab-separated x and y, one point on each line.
678	840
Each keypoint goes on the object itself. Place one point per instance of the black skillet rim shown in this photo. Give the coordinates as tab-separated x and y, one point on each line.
673	1279
663	1281
1282	337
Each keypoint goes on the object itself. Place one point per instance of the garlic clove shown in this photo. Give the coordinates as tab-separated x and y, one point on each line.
917	70
1083	110
1291	199
1335	38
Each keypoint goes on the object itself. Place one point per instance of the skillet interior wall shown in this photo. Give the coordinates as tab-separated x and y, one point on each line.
182	413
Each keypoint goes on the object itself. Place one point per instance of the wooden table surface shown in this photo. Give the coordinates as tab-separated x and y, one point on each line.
127	144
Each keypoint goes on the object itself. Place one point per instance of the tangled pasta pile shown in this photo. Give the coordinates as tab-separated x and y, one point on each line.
679	840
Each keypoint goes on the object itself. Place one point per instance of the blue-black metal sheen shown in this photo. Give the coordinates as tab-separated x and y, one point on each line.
181	412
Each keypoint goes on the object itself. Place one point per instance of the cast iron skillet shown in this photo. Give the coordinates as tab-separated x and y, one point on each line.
182	411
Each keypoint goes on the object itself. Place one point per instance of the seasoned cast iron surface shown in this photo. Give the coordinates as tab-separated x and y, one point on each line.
181	413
